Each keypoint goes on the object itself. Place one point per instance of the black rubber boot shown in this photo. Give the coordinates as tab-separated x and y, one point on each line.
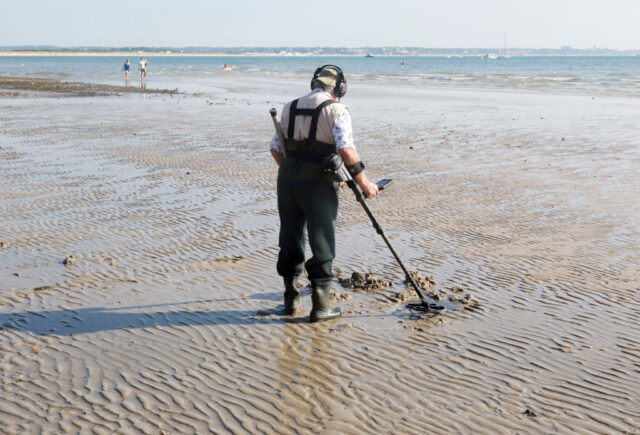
291	296
321	310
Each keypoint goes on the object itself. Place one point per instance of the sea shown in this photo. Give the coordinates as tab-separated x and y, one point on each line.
570	74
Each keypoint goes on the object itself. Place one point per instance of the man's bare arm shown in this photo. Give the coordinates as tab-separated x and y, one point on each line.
350	157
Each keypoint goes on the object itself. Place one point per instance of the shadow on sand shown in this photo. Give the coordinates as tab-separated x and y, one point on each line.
95	319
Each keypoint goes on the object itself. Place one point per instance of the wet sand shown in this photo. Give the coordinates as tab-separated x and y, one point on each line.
528	202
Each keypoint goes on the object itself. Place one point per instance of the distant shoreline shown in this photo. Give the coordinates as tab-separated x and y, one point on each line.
116	54
133	54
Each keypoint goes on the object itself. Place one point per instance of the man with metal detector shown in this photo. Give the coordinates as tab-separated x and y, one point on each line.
314	134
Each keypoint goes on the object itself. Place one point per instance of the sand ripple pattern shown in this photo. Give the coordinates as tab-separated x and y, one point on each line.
169	208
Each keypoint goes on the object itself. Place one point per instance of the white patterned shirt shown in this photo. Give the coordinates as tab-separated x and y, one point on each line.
342	130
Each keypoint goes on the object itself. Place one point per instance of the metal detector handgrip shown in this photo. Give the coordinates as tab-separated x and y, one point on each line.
276	125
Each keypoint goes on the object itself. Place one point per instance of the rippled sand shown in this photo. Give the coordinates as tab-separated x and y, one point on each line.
531	202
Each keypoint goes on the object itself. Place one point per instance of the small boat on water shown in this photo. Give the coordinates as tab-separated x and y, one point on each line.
369	55
228	67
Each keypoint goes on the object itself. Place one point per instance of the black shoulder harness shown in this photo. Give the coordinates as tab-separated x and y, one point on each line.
309	148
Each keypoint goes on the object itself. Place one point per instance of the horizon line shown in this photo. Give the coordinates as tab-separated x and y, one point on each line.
235	47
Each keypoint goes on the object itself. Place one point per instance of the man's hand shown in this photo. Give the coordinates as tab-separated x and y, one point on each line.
369	189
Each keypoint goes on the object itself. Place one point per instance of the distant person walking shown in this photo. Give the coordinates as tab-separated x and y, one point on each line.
126	68
142	67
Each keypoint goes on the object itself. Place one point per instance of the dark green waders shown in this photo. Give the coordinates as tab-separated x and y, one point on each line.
307	199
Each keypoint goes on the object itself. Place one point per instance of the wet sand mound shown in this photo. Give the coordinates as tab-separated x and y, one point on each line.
365	282
340	297
424	282
457	297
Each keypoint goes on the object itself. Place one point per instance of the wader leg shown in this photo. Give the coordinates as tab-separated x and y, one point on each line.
321	210
316	203
319	201
292	238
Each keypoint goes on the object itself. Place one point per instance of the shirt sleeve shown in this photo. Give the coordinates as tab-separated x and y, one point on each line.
275	143
342	130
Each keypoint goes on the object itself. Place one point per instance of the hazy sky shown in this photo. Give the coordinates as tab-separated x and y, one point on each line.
346	23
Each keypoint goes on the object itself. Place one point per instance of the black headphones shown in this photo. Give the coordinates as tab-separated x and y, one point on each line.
340	89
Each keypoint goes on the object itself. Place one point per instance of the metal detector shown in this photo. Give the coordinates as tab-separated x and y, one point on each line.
337	167
423	305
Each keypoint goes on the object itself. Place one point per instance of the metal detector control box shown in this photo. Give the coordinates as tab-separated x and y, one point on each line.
382	184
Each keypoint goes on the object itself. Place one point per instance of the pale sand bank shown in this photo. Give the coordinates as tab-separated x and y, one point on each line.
112	53
530	202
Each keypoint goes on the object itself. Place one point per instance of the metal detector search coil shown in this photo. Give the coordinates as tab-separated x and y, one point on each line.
419	306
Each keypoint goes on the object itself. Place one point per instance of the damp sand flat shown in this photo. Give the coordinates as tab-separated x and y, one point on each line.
528	201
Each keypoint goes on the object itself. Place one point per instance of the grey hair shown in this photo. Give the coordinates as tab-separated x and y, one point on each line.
319	84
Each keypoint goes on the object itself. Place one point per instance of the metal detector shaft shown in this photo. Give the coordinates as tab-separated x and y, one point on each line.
276	124
352	185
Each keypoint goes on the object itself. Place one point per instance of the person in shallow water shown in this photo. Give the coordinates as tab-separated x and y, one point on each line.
126	68
316	127
142	68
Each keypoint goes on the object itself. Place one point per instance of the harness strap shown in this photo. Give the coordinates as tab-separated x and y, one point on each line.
292	118
313	113
315	116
